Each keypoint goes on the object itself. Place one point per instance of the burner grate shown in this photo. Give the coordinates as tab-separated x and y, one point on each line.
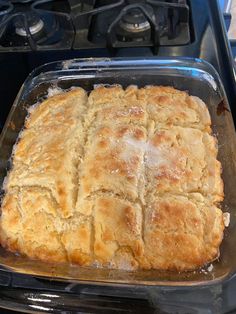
128	23
35	25
135	29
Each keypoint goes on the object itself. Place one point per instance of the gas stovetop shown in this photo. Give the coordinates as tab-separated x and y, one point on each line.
35	32
51	25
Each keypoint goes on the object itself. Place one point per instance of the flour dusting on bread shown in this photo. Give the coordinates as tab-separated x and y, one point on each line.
117	178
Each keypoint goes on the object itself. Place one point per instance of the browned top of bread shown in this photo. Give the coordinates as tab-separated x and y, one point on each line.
122	178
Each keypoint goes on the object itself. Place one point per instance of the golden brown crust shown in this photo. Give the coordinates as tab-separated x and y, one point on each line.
103	95
117	225
182	160
28	224
168	106
123	179
112	164
47	153
184	232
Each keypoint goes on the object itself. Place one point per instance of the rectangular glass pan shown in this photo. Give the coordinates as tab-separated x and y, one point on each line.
193	75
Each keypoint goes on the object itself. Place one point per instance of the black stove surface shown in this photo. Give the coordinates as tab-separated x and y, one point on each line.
60	24
206	40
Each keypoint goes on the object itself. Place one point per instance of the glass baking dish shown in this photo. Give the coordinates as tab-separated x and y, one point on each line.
193	75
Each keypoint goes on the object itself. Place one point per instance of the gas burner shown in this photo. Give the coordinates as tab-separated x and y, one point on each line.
135	21
35	25
134	25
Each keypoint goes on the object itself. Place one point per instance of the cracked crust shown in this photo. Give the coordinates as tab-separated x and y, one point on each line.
122	179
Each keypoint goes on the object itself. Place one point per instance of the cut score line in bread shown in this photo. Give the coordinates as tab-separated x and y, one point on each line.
120	178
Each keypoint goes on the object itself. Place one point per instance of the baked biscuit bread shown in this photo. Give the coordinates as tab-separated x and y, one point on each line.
120	178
